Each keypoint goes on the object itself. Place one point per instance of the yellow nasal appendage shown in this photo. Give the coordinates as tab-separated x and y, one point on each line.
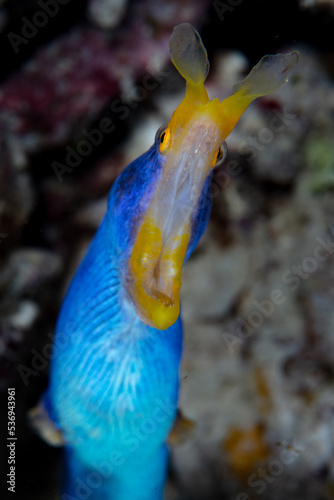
269	74
189	54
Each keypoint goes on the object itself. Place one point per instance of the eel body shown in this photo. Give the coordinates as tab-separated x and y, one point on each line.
114	376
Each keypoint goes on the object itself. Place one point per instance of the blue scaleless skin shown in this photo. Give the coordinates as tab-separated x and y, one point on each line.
114	378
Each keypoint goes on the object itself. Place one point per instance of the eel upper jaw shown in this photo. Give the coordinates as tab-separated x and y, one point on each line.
161	243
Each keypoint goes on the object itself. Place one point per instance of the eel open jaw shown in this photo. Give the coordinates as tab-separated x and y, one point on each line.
196	130
160	247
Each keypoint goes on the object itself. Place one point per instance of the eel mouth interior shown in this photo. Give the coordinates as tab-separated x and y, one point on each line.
161	244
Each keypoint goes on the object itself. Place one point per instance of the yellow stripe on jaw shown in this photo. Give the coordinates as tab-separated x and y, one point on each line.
155	270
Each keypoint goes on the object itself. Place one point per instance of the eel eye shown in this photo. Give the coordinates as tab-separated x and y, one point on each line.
164	140
220	155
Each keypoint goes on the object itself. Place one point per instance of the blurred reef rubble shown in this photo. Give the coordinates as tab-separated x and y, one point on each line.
257	295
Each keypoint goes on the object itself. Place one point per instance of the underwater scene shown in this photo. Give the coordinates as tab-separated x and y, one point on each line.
167	250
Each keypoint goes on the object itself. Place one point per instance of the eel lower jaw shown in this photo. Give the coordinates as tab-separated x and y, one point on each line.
155	275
